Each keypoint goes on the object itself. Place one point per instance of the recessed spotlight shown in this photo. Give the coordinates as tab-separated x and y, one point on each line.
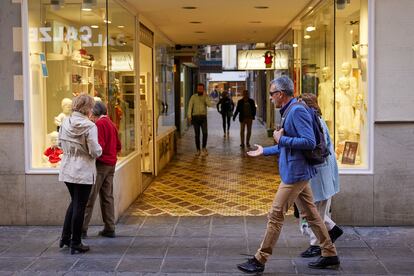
306	36
121	26
200	32
107	21
195	22
189	8
261	7
295	45
94	26
310	28
86	9
310	7
255	22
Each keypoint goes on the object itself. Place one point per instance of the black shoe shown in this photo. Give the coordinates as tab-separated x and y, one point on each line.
335	233
78	248
312	251
242	146
108	234
63	242
251	266
325	262
84	235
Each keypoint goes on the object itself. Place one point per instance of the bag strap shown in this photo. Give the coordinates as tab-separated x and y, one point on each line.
284	116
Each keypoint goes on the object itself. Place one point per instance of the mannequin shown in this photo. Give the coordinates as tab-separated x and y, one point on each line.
53	153
66	111
325	96
345	111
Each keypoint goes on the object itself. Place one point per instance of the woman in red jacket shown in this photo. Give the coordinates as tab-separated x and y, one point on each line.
105	167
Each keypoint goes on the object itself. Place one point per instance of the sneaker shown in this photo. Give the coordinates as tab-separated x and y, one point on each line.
108	234
251	266
198	153
204	152
335	233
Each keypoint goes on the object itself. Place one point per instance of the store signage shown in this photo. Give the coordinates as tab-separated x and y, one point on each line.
281	59
122	61
84	33
255	60
210	66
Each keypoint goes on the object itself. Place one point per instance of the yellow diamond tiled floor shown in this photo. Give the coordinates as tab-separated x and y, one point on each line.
227	182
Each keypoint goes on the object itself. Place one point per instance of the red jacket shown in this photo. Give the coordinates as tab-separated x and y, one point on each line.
108	139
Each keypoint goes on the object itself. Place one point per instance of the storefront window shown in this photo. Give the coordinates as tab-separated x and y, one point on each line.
164	90
351	84
68	50
333	54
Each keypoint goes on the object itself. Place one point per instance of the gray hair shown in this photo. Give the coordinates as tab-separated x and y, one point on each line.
99	109
284	84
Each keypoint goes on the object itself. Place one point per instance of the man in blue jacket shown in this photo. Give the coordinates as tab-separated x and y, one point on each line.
295	136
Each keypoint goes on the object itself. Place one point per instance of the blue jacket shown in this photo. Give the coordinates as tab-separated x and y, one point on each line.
298	136
326	181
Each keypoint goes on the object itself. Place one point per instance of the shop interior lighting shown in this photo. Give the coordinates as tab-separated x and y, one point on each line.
56	4
94	26
87	5
121	26
306	36
107	21
294	45
310	28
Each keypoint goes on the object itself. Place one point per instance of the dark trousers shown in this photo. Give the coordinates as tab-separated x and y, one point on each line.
72	227
200	121
226	116
104	187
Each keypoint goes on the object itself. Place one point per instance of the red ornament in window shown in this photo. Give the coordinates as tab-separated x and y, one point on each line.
268	59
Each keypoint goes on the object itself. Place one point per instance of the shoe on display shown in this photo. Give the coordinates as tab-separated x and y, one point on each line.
325	262
108	234
335	233
251	266
312	251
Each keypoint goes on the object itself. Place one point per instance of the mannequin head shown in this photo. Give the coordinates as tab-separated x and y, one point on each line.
326	73
346	68
66	106
53	138
344	84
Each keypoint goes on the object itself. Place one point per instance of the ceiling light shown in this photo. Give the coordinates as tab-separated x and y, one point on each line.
295	45
310	28
107	21
307	36
56	4
261	7
94	26
310	7
87	5
255	22
121	26
195	22
189	8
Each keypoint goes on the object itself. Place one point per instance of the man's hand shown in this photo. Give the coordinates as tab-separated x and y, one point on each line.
254	153
277	134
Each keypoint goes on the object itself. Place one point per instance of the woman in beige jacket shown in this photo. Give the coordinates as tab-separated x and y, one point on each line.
78	137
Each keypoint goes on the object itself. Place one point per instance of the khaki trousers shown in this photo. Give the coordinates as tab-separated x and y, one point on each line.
103	186
301	194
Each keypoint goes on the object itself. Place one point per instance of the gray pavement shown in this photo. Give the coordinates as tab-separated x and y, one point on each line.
199	246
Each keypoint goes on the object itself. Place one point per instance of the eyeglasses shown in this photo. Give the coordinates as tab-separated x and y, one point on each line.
274	92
